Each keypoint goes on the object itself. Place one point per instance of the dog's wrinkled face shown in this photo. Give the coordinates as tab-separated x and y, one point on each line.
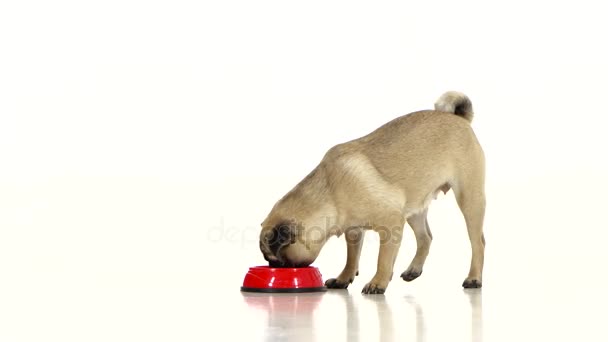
284	245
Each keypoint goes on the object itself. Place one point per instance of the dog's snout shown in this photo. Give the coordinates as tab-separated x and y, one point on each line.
279	237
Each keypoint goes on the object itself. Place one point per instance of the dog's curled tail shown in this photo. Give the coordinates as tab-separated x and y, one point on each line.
455	103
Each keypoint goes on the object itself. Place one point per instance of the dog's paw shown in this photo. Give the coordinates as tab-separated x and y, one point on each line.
471	283
373	288
336	283
411	274
342	281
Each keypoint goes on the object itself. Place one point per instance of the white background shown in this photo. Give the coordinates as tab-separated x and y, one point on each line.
142	143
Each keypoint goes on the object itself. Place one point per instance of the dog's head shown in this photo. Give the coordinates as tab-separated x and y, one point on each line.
291	243
283	244
299	224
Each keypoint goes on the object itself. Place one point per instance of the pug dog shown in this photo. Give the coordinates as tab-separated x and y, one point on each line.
379	182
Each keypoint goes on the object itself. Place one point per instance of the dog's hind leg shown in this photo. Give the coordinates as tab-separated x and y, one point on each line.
420	226
472	202
354	242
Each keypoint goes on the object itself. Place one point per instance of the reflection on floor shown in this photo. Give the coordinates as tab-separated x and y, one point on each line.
317	316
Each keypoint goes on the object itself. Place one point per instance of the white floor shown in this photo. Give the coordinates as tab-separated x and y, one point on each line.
200	307
151	267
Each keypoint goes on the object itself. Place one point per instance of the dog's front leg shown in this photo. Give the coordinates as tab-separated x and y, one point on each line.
390	241
354	242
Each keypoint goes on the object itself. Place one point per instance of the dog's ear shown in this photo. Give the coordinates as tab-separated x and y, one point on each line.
280	236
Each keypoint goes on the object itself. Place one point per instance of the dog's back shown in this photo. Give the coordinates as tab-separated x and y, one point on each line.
417	154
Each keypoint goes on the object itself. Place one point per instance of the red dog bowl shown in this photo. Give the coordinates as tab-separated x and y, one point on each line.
272	280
